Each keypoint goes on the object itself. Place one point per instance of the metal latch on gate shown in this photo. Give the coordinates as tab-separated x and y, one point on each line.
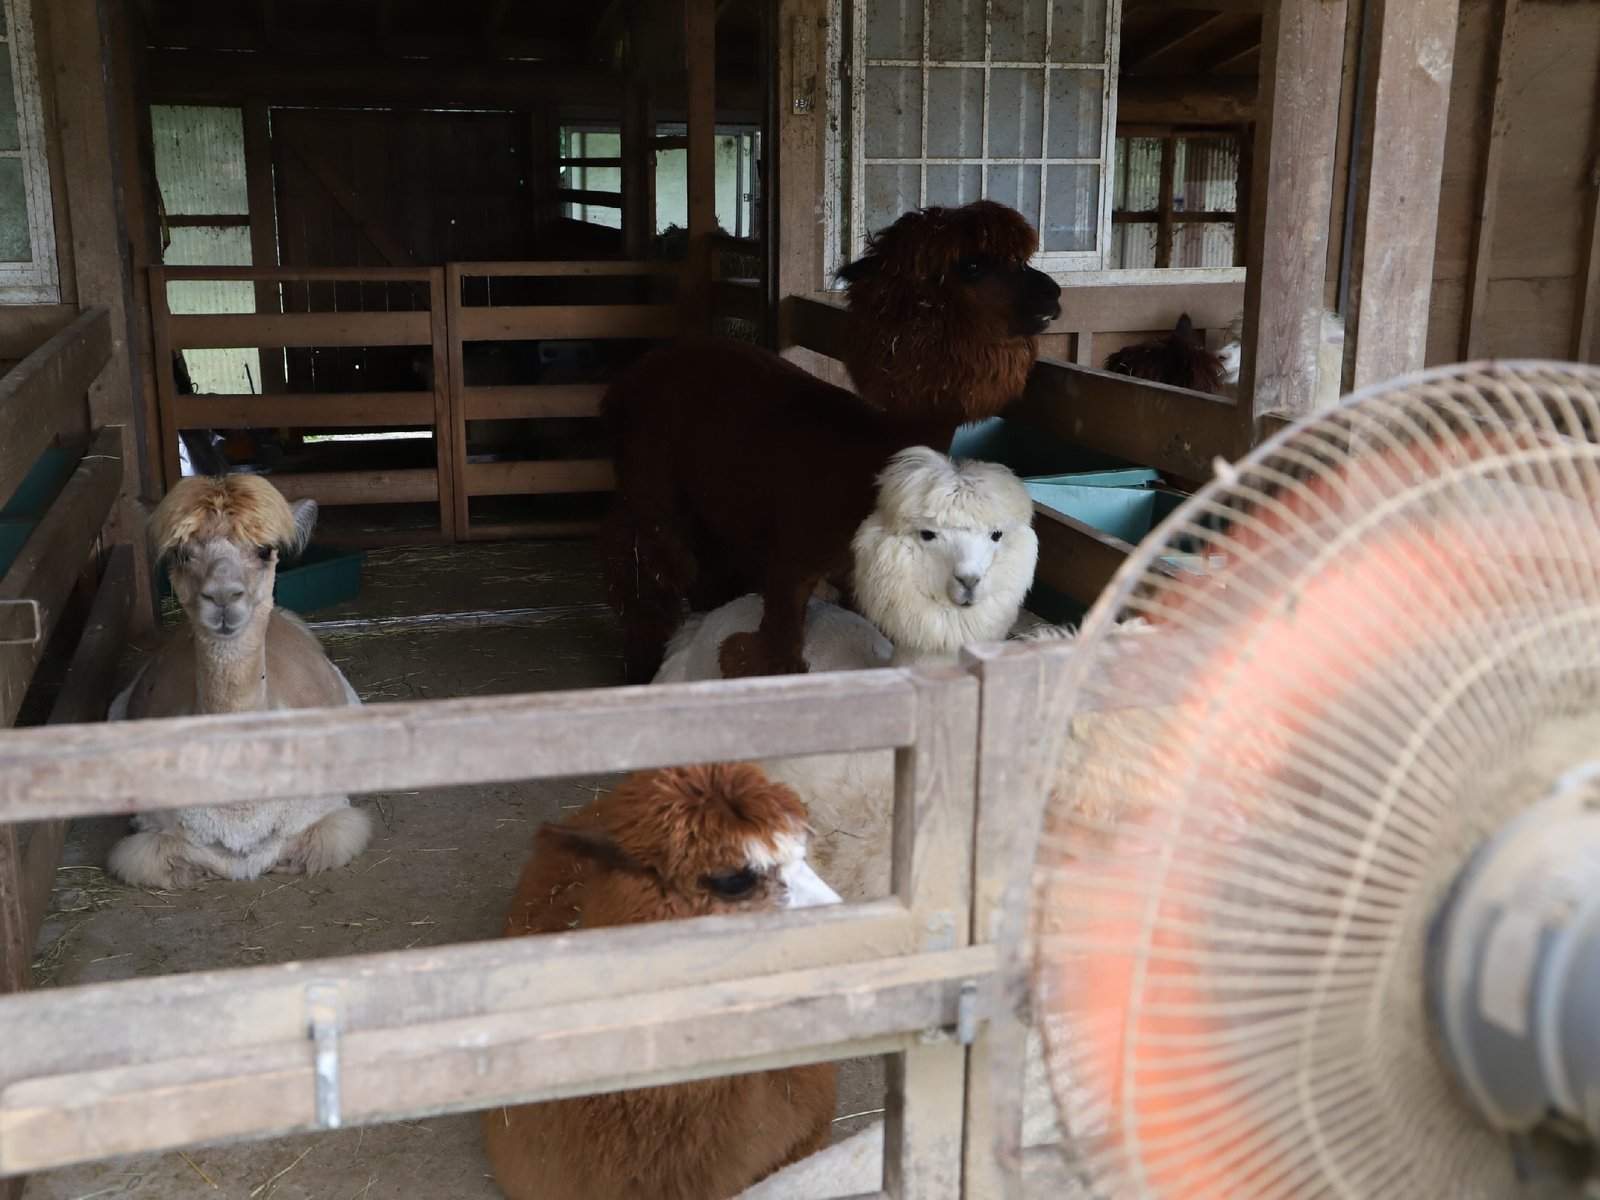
322	1005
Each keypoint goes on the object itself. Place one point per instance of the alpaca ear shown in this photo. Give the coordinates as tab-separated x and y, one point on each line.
305	518
856	271
586	841
1186	328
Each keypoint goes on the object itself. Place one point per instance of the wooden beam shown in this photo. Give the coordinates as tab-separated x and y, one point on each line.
1076	559
512	323
43	395
84	696
1296	142
263	227
700	51
321	410
45	571
638	171
1185	100
26	327
445	462
227	330
1474	326
1191	28
331	489
544	477
1169	166
1586	310
1235	60
1404	112
158	764
538	400
1170	429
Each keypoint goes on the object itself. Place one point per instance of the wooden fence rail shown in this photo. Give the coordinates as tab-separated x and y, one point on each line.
916	975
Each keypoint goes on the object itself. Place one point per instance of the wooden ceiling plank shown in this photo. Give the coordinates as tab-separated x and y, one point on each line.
1164	42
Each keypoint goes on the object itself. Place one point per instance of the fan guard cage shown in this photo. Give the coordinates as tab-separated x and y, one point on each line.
1362	649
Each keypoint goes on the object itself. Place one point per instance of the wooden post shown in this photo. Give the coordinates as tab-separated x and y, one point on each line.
1586	305
1404	111
263	230
1169	166
85	80
700	53
1302	52
1473	323
794	181
638	161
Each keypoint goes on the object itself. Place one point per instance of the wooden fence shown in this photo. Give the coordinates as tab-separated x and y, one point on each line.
923	976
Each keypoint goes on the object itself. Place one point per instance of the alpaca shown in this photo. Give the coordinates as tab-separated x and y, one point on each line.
1330	360
737	471
221	537
944	560
1179	358
665	845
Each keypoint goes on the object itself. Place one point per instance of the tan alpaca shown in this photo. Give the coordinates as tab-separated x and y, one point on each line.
221	539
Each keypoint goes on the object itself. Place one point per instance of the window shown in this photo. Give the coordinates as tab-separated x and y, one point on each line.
591	166
1175	201
27	222
954	100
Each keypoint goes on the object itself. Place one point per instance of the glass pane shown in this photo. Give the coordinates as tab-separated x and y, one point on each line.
1206	177
9	138
1138	179
893	110
1017	32
1075	114
1078	31
199	156
15	244
894	29
1017	187
672	189
1133	245
955	30
1207	244
1016	113
1071	208
210	246
955	112
890	192
954	186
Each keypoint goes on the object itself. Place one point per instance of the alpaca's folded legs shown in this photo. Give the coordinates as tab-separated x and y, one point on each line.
326	845
777	647
158	860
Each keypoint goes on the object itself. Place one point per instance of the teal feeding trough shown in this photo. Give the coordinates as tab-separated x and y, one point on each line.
28	503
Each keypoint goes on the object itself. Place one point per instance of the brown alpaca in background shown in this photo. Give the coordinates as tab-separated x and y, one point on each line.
739	472
1179	358
665	845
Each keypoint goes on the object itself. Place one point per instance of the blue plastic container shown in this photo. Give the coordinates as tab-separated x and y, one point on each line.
28	503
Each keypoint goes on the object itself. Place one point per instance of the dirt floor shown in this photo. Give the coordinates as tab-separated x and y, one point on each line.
440	868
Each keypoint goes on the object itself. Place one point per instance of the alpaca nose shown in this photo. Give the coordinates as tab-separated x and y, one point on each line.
222	593
968	582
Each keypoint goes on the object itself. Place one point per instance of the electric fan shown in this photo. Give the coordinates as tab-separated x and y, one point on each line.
1317	900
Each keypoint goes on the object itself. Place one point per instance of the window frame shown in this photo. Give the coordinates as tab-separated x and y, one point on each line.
36	281
855	77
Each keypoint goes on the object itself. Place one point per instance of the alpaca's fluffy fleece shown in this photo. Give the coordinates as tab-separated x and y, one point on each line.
836	640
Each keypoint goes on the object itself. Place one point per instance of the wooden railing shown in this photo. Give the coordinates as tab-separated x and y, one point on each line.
1173	430
921	975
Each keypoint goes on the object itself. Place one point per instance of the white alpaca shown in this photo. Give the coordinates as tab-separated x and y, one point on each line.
944	561
1330	360
221	538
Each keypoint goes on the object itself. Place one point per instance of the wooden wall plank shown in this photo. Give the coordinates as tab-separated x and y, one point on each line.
229	330
531	322
1292	180
418	485
1076	559
536	400
1586	313
330	410
44	395
47	568
1474	329
129	766
1397	208
444	425
26	327
455	355
554	269
540	477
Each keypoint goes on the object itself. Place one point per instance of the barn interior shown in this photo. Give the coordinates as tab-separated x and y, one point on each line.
389	253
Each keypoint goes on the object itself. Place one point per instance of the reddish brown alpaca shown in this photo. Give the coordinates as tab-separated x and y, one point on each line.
1179	358
665	845
738	471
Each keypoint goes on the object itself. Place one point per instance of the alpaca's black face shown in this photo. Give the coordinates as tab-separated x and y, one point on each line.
1029	299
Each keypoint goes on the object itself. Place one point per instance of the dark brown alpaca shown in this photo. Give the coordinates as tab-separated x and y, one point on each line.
1179	358
686	842
739	472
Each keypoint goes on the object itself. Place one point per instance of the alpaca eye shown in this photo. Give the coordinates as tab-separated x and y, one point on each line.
995	536
970	268
928	535
264	553
733	884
